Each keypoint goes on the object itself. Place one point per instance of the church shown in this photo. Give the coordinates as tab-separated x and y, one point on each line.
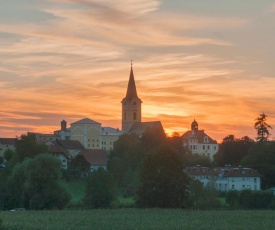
131	111
92	135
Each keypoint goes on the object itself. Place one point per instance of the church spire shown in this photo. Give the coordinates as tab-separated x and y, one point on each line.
131	90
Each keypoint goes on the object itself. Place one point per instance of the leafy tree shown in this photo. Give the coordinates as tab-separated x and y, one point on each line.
261	157
27	147
43	188
16	186
8	154
232	150
262	128
196	192
126	155
76	166
191	160
164	184
100	190
1	160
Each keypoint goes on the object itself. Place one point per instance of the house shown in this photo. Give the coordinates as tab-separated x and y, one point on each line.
199	173
73	147
239	178
97	158
59	152
7	143
226	178
198	142
65	150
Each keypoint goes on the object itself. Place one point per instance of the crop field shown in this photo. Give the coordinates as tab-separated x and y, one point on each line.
137	219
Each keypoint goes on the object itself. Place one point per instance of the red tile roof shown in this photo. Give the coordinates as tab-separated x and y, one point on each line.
70	144
58	149
8	141
197	171
199	135
242	172
95	156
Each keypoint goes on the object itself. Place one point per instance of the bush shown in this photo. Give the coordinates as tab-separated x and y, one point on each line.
245	199
256	199
232	198
100	190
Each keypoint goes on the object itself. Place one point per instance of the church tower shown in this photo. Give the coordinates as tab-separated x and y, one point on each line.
131	105
194	126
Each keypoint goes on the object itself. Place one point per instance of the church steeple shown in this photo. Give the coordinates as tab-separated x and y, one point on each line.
131	90
131	104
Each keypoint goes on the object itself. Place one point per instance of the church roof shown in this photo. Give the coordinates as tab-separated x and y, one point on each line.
140	127
199	135
85	121
131	90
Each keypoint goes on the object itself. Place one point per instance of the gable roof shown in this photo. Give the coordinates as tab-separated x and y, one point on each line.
85	121
95	156
242	172
199	135
70	144
57	149
141	127
8	141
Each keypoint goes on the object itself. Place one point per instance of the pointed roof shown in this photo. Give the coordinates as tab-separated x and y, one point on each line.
131	90
85	121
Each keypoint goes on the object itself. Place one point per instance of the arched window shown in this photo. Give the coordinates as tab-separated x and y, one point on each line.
135	116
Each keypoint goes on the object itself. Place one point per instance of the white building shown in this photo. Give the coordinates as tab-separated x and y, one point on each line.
198	142
227	178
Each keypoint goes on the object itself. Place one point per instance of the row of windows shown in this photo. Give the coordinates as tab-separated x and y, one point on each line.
195	141
104	143
203	147
93	140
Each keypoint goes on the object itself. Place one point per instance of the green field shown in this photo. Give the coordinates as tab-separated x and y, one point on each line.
138	219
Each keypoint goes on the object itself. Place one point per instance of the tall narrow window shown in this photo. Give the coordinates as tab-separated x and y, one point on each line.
124	116
135	116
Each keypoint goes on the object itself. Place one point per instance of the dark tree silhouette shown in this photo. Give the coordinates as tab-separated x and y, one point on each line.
262	128
232	150
164	184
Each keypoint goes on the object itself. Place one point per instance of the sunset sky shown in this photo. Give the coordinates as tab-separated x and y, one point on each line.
212	60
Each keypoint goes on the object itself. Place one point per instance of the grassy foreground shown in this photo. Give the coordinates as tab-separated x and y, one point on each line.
138	219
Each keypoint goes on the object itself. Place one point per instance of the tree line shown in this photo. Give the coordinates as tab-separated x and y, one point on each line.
148	168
